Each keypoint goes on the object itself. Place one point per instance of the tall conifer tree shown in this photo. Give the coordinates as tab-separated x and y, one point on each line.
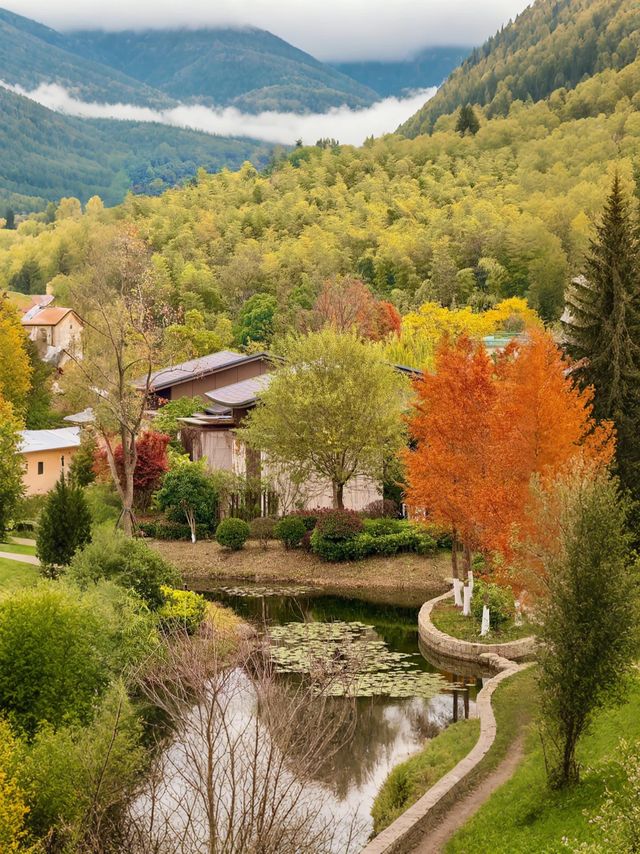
602	329
65	526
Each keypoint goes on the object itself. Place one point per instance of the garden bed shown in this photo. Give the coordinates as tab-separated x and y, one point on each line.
449	619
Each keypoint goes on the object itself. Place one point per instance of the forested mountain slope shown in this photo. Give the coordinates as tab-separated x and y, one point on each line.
553	45
45	155
247	68
31	54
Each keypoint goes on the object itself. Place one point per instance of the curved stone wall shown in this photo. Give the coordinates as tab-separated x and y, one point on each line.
445	647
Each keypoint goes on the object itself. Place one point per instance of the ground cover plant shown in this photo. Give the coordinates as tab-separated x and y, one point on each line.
449	619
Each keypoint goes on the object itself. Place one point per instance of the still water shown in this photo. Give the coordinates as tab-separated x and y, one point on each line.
388	729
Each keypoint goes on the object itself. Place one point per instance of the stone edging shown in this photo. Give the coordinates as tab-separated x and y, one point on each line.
482	654
409	828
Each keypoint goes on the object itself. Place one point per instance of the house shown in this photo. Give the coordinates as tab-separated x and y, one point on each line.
56	331
47	453
229	384
207	373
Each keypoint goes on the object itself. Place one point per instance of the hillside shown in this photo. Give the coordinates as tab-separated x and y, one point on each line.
45	155
427	68
552	46
250	69
31	54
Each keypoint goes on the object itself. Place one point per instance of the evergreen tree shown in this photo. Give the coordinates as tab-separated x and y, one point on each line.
10	219
602	329
29	279
467	121
39	413
65	526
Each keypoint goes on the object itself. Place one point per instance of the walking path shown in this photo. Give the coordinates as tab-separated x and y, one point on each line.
32	559
464	809
23	541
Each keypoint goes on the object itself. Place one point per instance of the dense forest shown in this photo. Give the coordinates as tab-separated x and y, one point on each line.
550	48
455	217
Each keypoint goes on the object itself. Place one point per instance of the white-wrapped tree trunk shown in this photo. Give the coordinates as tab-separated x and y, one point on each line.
484	628
466	610
470	581
457	592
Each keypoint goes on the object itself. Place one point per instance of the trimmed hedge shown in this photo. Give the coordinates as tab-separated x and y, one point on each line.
365	545
233	533
290	530
172	530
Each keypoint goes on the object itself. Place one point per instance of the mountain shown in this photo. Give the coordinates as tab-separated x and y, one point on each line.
45	155
32	54
248	68
427	68
552	46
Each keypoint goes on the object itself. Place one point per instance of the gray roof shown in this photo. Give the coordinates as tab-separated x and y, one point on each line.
193	369
237	395
49	440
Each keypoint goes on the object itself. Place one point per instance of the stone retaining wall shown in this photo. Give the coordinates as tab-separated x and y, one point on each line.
501	658
445	646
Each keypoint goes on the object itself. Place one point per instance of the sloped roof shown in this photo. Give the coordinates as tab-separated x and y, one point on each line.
238	395
197	368
49	440
46	317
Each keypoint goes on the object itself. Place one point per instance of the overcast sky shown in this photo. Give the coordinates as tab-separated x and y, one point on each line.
328	29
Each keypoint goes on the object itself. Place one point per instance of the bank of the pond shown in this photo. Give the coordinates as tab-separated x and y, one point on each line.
411	578
411	779
524	815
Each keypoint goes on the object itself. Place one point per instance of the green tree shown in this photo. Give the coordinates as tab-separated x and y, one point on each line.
167	417
129	563
189	493
10	219
602	329
64	526
588	621
333	409
256	319
29	279
467	121
39	413
58	651
11	465
81	470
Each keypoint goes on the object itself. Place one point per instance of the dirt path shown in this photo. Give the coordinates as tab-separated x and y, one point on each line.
461	811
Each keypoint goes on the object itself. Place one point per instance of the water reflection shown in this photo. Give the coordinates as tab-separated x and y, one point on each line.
387	730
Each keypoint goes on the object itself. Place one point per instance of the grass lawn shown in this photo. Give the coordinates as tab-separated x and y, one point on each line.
408	576
525	816
412	778
449	620
14	575
14	548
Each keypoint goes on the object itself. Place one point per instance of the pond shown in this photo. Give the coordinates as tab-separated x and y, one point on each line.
402	700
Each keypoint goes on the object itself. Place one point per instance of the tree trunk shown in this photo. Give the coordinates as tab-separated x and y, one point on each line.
468	557
454	555
338	496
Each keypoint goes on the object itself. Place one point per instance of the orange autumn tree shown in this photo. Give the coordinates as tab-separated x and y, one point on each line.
451	428
541	423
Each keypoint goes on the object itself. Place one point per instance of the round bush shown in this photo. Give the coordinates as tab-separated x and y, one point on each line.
384	508
290	531
500	600
339	525
262	529
233	533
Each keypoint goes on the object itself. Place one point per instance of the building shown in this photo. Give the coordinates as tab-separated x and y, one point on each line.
47	453
229	385
57	333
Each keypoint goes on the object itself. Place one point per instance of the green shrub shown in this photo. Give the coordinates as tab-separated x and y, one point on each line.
262	529
384	525
129	563
165	530
290	531
500	600
104	504
233	533
188	490
365	545
182	609
339	525
309	518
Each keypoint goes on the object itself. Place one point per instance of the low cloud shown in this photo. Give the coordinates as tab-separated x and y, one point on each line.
347	125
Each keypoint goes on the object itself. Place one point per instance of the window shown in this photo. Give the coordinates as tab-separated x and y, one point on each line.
40	468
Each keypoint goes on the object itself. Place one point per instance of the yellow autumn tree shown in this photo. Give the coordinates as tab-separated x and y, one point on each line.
15	365
13	808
